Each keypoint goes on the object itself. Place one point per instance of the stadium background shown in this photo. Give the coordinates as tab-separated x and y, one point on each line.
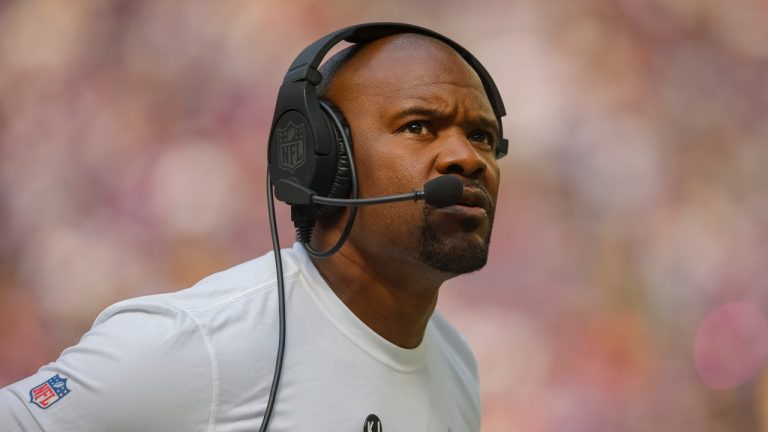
627	287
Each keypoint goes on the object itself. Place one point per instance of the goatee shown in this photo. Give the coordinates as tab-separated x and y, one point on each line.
452	257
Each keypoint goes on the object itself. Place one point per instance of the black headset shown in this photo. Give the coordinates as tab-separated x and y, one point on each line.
306	142
310	146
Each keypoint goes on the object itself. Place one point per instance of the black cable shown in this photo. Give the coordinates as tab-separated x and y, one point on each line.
310	250
281	307
353	194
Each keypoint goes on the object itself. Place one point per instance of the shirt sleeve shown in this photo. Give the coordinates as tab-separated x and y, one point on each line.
142	366
13	415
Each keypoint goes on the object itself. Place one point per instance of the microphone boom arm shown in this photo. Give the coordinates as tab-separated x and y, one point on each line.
415	195
442	191
295	194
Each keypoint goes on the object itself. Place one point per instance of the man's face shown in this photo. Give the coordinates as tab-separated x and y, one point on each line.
418	111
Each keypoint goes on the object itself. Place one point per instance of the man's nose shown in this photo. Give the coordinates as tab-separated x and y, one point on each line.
458	155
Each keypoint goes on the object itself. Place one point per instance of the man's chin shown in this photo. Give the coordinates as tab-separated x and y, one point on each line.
454	256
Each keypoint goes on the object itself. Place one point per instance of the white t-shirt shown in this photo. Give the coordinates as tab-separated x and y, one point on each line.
203	359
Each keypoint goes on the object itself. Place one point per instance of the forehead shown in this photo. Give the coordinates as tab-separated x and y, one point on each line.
407	66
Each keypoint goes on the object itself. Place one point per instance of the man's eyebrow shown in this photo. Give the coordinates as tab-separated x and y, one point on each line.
480	120
421	112
487	123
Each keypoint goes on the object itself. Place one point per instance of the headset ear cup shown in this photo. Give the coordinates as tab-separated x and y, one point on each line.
342	182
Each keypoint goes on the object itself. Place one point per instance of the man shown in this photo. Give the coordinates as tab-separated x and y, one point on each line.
364	348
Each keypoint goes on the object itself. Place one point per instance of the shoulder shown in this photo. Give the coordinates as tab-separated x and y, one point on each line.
457	369
453	345
213	291
245	280
154	362
140	366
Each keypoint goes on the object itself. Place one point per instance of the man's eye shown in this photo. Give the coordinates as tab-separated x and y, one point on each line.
416	127
481	136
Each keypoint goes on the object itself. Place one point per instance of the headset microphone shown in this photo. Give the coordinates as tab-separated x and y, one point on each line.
442	191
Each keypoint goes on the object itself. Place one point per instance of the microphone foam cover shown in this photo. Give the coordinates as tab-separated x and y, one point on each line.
443	191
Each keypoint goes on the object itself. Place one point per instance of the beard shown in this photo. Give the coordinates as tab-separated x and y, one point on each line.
452	257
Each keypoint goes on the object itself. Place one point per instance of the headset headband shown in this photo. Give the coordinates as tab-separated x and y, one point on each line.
306	64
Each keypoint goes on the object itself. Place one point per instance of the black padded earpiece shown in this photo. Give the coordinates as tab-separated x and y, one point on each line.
341	184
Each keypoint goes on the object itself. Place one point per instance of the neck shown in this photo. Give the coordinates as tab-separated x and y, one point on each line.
394	299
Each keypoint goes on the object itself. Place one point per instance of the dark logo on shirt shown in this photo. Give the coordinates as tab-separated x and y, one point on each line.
49	392
372	424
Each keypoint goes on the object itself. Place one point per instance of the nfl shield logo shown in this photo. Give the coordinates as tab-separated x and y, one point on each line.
49	392
290	141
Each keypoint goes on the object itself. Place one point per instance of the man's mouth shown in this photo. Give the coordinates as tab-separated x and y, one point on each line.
474	203
475	198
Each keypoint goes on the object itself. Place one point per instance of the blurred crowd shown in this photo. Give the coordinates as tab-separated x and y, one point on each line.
627	288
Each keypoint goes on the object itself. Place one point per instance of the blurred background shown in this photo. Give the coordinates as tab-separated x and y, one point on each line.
627	288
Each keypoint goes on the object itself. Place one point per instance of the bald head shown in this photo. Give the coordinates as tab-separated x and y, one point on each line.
410	46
